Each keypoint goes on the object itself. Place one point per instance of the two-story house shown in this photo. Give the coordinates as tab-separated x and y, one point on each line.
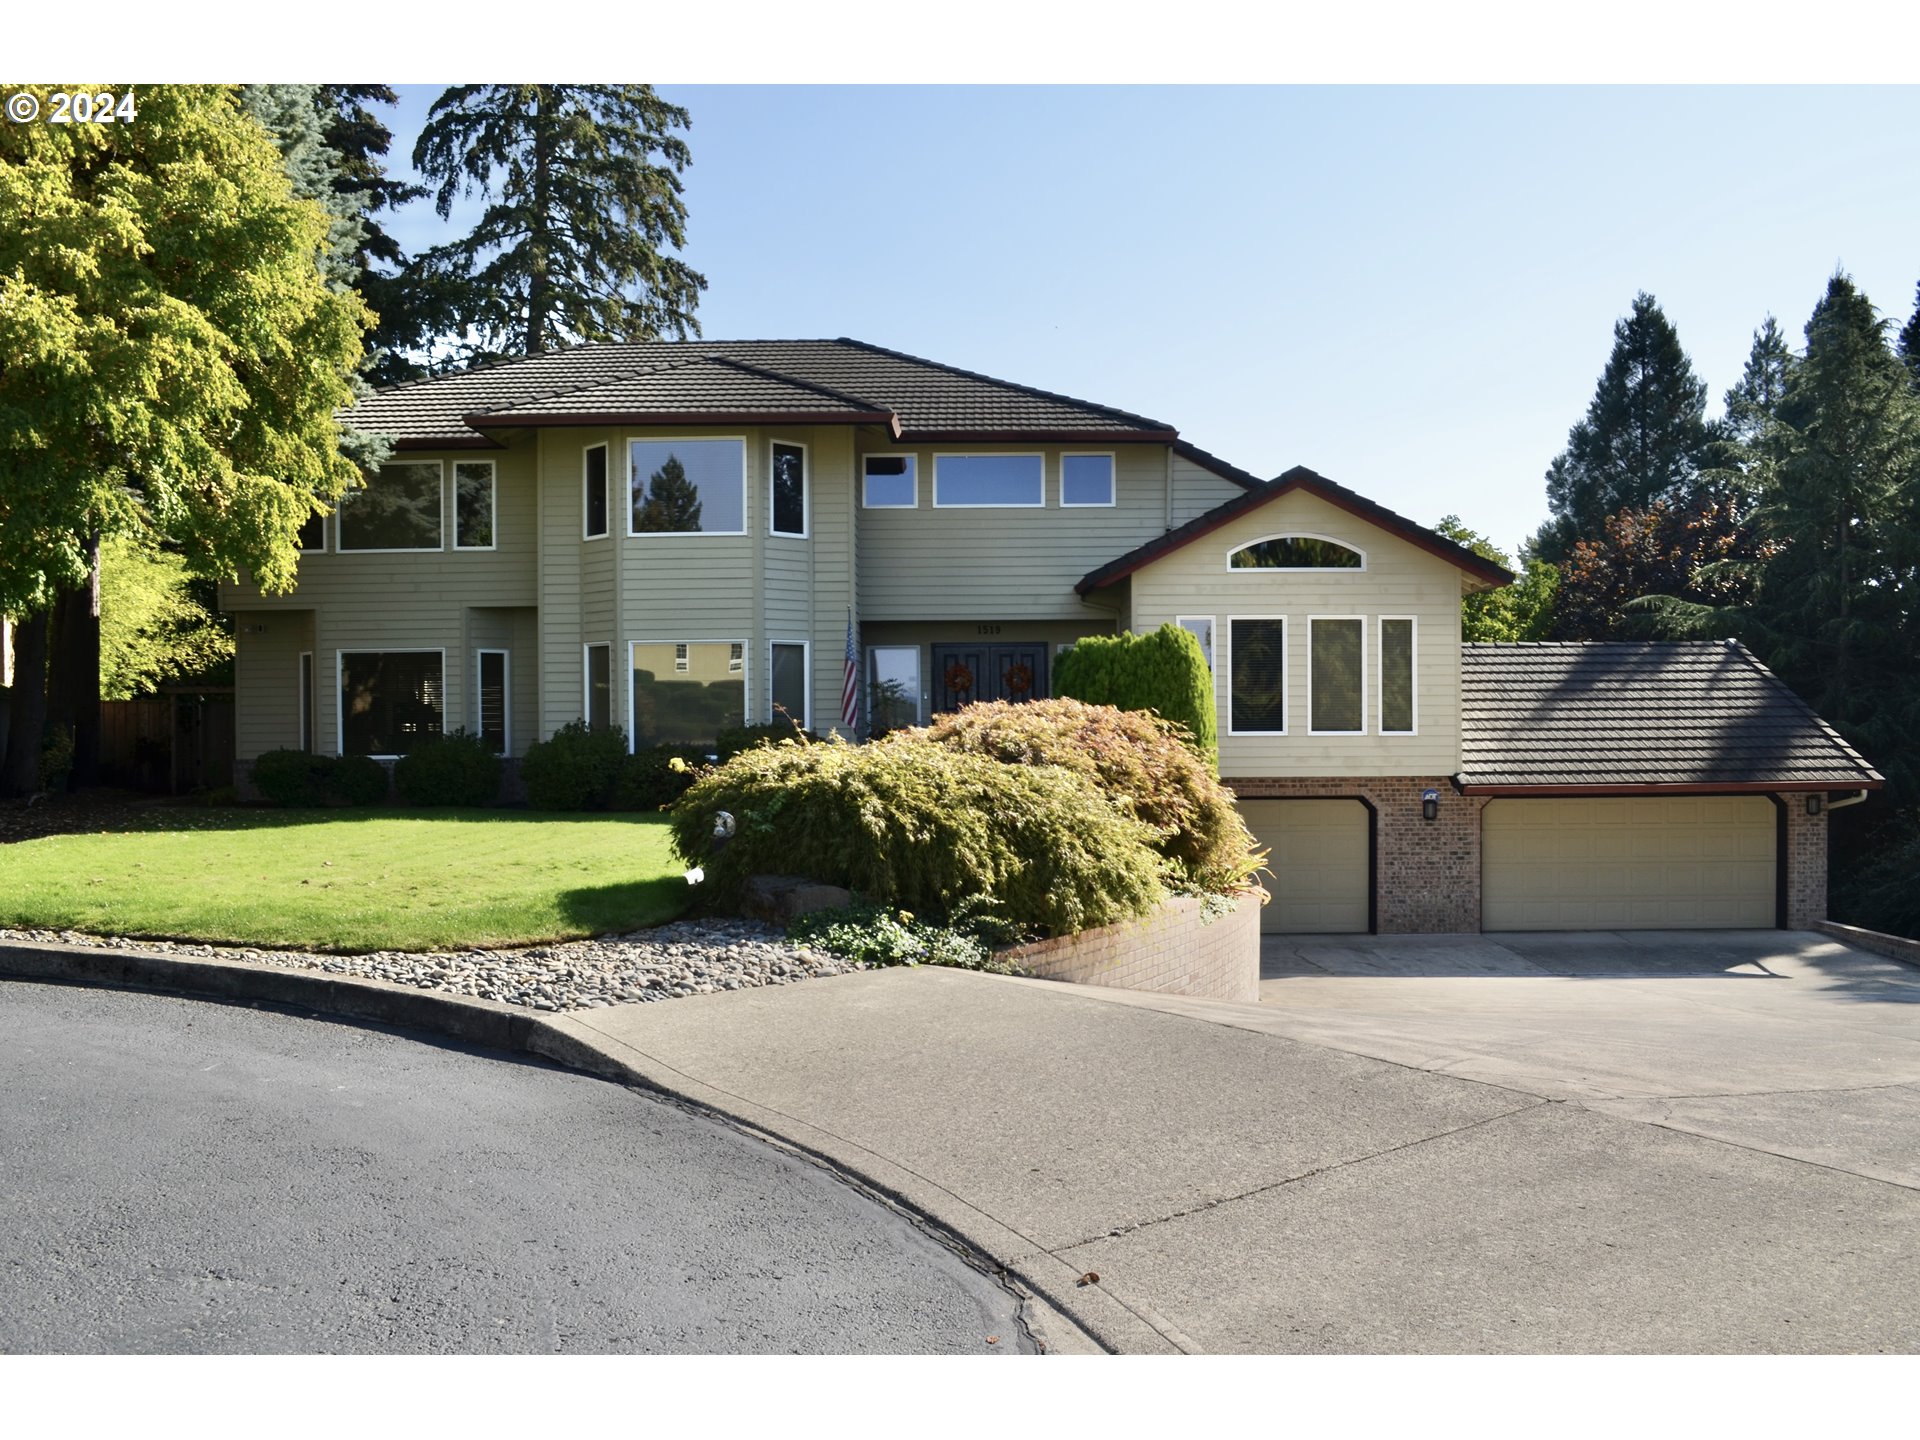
679	537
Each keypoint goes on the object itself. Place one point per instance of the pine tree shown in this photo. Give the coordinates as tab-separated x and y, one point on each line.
583	185
672	503
1644	438
1910	340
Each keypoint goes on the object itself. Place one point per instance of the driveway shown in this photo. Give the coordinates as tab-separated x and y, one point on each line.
1786	1042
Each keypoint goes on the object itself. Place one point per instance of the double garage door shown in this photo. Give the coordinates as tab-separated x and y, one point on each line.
1670	862
1688	862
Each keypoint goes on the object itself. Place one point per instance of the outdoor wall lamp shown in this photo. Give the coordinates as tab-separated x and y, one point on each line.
1429	804
1813	805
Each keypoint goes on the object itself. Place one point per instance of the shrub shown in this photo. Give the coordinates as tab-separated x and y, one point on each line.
649	779
920	827
294	778
873	935
359	780
1164	671
576	770
452	769
1140	761
751	737
56	759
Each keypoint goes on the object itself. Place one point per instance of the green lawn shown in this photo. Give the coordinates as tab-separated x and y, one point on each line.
351	880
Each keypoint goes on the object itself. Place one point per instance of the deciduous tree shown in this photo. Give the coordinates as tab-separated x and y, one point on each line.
1520	611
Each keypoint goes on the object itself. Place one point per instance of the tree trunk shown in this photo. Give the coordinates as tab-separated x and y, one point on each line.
20	766
73	679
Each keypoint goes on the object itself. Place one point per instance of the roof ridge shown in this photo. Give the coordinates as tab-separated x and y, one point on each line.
555	392
1142	421
498	362
769	373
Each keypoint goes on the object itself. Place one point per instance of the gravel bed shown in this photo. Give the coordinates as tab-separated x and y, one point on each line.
687	957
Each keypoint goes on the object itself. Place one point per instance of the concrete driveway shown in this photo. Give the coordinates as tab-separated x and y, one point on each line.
1785	1042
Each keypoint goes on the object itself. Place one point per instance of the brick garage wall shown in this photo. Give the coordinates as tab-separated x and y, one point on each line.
1427	873
1806	864
1174	951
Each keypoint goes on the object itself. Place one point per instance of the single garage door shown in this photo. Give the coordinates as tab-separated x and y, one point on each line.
1693	862
1319	863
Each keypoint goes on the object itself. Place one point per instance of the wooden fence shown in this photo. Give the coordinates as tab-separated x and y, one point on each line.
176	741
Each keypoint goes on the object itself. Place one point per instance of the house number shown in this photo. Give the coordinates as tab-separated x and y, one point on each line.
986	629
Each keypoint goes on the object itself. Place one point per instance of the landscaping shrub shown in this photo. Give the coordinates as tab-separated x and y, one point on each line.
874	935
649	779
56	759
1141	762
749	737
359	780
452	769
576	770
1164	671
294	777
915	825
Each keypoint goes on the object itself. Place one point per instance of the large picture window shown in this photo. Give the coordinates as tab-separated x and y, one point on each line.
788	674
1257	694
690	706
892	482
687	487
1396	677
473	505
1336	684
789	489
400	509
989	480
390	700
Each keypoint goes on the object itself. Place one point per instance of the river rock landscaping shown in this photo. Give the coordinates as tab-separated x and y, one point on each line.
687	957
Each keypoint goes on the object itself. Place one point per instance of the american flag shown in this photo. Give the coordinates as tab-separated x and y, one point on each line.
850	693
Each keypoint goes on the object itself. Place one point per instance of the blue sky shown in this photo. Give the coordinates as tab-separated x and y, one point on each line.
1410	289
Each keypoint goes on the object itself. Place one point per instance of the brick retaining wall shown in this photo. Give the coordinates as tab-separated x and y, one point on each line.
1174	951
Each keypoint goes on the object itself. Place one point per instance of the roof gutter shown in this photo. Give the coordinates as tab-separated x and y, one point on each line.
1724	787
1853	799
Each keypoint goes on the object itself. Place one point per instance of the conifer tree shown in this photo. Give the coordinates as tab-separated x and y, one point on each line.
583	191
1910	341
672	503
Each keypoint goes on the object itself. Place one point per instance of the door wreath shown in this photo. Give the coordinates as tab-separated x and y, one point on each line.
1018	679
959	678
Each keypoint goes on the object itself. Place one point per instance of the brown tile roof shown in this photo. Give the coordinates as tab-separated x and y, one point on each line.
1637	714
1298	478
826	380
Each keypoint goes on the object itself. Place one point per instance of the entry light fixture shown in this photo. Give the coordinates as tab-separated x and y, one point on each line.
1429	804
1814	804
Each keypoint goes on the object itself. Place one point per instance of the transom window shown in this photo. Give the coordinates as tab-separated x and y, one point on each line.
691	705
1336	685
400	509
892	482
390	700
1086	480
789	486
1296	552
1257	688
989	480
473	505
687	487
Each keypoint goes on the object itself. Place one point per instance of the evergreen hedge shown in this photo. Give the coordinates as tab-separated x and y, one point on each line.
576	769
452	769
1164	671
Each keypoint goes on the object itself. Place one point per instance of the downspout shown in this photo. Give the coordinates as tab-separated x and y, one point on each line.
1853	799
1169	524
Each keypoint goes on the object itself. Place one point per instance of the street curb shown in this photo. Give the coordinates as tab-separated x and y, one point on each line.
564	1040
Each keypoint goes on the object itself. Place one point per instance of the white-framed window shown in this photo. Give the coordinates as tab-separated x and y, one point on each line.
596	498
389	700
493	699
1201	628
671	706
596	684
787	499
893	687
687	487
1298	551
990	482
1399	665
401	509
306	701
474	505
890	482
1256	674
1086	479
312	536
790	681
1336	675
681	659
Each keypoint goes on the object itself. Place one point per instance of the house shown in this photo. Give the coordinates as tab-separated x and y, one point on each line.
677	537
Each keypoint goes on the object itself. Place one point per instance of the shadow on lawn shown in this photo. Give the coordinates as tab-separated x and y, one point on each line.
183	818
630	905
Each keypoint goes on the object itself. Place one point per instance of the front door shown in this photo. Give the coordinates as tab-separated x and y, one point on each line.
963	674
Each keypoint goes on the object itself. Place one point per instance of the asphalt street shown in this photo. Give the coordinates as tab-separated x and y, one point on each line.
178	1176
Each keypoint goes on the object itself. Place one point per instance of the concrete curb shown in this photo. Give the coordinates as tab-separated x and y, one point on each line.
1892	947
1062	1318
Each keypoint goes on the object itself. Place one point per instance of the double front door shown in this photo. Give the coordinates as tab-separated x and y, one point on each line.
963	674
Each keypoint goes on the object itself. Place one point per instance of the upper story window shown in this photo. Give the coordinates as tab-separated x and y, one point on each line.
1396	676
687	487
400	509
788	505
1086	480
313	534
595	475
1257	684
962	481
473	505
1296	552
1337	661
891	482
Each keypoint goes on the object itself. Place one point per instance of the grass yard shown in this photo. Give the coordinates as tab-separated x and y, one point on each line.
349	880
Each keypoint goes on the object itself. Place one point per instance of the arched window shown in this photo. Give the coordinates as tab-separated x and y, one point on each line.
1297	552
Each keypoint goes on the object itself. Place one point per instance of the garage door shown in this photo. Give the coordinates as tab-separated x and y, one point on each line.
1660	863
1319	864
